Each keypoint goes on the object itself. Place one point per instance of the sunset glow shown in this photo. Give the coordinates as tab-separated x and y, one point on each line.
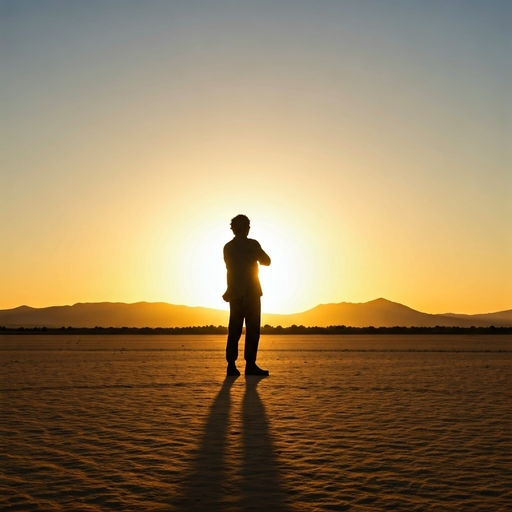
366	141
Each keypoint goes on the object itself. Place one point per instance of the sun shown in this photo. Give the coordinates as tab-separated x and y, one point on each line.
202	275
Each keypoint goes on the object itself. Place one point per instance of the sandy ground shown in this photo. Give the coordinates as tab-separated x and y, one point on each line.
343	423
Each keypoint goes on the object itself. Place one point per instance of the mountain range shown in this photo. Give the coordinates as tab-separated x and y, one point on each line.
377	313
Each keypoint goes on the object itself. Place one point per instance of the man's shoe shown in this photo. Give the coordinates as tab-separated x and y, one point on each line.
252	369
233	370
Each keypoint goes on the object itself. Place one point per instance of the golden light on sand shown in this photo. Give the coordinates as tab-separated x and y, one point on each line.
153	424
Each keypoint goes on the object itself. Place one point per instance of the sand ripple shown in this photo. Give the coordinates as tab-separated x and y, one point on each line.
89	430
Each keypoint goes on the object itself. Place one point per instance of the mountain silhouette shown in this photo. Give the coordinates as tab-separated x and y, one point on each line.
377	313
384	313
110	314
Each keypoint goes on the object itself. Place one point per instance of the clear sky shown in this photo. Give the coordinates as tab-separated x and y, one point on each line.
367	140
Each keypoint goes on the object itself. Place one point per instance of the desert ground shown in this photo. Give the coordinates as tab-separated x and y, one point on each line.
360	423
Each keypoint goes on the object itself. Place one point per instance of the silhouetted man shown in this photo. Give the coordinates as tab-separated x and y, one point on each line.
242	256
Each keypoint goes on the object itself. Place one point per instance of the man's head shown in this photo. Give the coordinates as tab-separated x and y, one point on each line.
240	225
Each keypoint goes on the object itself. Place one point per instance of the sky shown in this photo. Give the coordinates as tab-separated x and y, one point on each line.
367	140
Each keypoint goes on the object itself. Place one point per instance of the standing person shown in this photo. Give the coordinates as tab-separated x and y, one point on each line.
242	256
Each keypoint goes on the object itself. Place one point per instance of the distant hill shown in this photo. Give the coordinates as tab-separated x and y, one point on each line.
110	314
377	313
384	313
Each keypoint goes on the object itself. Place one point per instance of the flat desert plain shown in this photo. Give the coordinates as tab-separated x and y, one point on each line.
360	423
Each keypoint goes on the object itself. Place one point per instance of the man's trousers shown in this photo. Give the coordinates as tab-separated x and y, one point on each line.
249	309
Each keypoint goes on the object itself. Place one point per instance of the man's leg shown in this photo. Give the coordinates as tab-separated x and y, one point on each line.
252	335
236	322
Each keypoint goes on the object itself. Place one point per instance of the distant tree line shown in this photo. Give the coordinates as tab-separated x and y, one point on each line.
205	329
266	329
343	329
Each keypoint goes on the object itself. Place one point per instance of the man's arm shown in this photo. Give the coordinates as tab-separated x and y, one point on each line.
263	257
265	260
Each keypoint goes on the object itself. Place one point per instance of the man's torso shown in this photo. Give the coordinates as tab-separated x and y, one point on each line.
241	256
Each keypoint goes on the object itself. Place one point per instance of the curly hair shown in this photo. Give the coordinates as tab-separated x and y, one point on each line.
240	223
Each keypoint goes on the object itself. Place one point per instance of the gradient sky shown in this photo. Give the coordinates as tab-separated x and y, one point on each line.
367	140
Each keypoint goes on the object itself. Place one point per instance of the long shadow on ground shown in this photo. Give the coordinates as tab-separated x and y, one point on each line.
251	484
260	486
